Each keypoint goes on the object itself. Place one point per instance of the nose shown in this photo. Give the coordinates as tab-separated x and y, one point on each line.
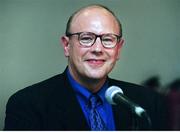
97	46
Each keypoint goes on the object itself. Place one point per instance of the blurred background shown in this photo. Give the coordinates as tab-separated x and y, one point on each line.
30	49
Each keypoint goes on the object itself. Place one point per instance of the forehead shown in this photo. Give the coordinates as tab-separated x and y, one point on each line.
94	18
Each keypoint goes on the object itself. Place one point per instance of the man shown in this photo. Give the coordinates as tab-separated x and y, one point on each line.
92	44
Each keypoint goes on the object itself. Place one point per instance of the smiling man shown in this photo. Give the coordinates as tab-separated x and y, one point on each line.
75	99
92	45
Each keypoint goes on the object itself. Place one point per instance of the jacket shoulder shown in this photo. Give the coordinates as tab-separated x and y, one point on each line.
126	85
47	85
37	94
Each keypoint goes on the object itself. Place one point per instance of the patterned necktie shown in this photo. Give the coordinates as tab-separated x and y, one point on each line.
96	122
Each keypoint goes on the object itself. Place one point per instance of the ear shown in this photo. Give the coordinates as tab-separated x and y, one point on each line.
65	44
119	47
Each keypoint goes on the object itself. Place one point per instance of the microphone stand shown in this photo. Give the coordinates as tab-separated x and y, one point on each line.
138	118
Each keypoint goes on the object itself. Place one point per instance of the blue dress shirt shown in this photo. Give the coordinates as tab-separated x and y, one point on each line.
83	94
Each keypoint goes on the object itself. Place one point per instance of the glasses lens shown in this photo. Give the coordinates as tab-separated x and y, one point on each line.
109	40
86	39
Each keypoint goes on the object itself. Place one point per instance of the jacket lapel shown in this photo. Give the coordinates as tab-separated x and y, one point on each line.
71	109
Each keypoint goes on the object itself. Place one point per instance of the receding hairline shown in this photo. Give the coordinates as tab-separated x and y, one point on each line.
94	6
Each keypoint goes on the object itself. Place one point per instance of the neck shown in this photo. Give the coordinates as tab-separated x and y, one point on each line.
94	85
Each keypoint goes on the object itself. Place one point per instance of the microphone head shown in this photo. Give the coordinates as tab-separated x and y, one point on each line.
110	92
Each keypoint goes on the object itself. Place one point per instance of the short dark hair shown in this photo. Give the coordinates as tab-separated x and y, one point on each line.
68	25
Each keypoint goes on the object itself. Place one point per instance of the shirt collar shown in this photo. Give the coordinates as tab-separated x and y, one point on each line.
83	91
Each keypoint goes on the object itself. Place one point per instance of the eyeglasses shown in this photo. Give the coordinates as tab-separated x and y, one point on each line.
87	39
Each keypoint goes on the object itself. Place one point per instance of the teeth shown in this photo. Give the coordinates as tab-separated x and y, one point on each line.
96	60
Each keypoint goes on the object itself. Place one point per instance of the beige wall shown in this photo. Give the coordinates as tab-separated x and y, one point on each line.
30	51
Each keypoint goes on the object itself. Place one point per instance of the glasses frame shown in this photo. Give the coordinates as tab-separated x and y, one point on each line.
96	36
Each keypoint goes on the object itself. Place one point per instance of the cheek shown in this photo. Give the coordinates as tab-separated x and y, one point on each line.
77	53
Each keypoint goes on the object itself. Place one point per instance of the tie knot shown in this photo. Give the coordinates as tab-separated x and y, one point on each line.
94	101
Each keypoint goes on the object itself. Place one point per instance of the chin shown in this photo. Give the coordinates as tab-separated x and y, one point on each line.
96	73
96	76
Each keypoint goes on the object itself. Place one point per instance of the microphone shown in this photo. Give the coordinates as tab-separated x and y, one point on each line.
114	95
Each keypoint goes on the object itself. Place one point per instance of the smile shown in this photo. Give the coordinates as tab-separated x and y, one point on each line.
96	62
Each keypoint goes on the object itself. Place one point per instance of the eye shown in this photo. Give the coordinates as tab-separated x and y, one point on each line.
86	38
108	39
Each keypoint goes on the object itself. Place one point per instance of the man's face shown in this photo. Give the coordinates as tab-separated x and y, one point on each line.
93	62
